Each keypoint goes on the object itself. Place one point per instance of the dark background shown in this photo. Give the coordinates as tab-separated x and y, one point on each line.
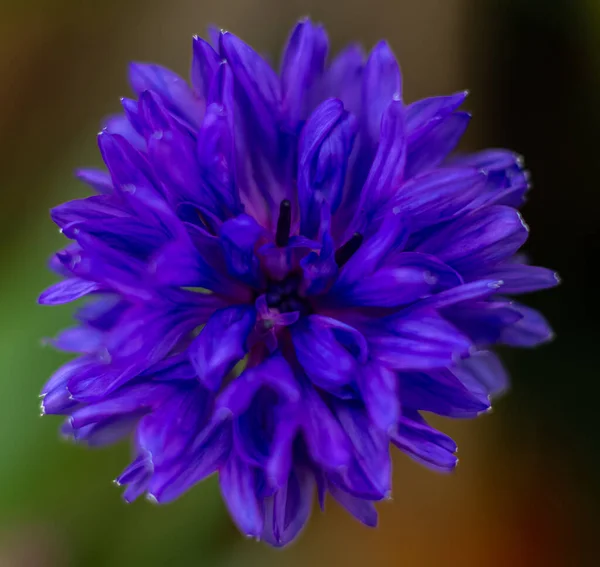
526	493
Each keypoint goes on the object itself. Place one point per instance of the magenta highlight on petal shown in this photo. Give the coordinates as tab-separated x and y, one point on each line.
280	271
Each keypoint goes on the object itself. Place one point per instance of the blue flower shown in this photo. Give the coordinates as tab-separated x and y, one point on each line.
283	270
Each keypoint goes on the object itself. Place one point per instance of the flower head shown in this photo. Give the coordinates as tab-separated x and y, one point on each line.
282	271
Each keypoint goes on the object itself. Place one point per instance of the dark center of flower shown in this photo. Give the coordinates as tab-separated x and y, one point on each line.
283	295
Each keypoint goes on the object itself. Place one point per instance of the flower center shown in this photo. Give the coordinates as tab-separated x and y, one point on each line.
283	295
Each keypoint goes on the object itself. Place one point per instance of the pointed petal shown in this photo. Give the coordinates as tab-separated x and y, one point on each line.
67	290
438	196
172	89
531	330
424	444
433	146
205	61
221	344
419	339
382	83
238	486
363	510
484	238
302	65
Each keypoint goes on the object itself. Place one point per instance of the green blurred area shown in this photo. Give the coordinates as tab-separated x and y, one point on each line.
526	492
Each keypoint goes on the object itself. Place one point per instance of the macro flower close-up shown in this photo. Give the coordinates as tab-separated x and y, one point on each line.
284	272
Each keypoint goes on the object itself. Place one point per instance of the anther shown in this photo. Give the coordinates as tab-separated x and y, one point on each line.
347	250
284	223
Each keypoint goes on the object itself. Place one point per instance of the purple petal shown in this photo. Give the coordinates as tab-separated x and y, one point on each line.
325	439
520	278
288	510
387	170
432	147
167	432
343	78
258	82
531	330
274	373
302	66
437	196
206	457
238	486
97	179
412	277
462	293
483	238
221	344
378	387
326	362
425	113
239	238
172	89
67	291
382	83
363	510
324	147
130	400
205	62
424	444
485	368
419	339
370	446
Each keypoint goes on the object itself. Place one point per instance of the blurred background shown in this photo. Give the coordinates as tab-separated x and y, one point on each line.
527	492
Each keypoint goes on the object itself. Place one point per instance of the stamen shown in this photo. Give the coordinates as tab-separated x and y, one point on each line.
347	250
284	223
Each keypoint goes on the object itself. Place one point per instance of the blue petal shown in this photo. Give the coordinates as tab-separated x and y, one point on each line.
324	148
302	65
485	368
382	83
326	441
258	83
370	446
438	196
378	387
441	392
274	373
387	170
221	344
520	278
434	145
343	78
326	362
167	432
424	444
531	330
67	290
419	339
411	277
205	62
238	486
206	456
483	321
172	89
288	510
363	510
483	238
426	113
97	179
239	239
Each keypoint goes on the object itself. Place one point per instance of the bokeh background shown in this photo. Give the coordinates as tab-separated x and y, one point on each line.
526	493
